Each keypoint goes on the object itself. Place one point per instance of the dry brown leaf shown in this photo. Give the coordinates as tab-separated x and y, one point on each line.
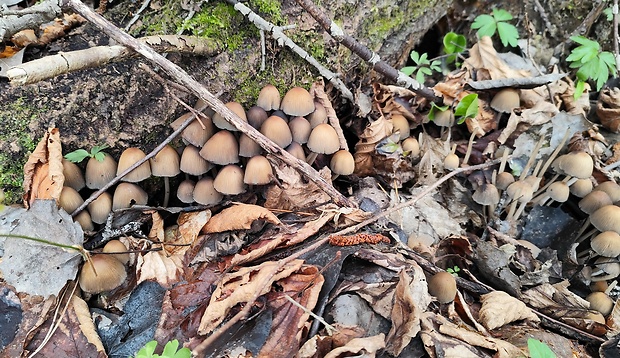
43	177
190	225
608	108
366	347
344	216
86	322
295	192
485	62
541	113
289	321
317	91
157	228
365	148
499	308
242	286
58	27
239	217
159	267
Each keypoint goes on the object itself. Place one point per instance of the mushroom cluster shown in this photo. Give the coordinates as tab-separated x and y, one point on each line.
217	160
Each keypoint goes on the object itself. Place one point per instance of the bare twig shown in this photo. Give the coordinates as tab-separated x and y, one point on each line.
365	53
282	39
31	17
201	91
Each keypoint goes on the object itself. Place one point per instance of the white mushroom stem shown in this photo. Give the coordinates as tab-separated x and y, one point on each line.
531	160
544	188
311	158
612	285
469	147
520	210
554	154
502	164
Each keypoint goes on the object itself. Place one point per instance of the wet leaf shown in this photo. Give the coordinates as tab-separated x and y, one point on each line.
239	217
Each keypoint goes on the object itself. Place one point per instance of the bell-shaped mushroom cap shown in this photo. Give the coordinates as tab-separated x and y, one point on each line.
412	146
73	175
256	116
576	164
558	191
297	102
185	191
444	118
248	147
280	114
229	180
166	163
110	274
605	269
100	173
297	151
300	129
342	163
318	116
276	129
606	218
520	190
503	180
258	171
222	123
120	250
599	301
69	199
323	139
268	98
192	163
443	286
128	194
611	188
129	157
486	194
401	125
451	161
506	100
195	134
100	208
581	187
594	201
606	244
221	149
83	218
205	193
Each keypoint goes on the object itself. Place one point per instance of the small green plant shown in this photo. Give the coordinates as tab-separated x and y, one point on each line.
539	349
170	351
435	109
423	66
467	108
591	63
487	25
78	155
454	271
453	44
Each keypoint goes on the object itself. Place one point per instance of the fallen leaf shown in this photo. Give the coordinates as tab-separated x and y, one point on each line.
239	217
366	347
499	308
365	147
295	192
82	313
317	91
43	177
485	62
158	266
240	287
541	113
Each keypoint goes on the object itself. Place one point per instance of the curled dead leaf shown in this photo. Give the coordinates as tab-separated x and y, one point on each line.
43	173
294	192
239	217
499	308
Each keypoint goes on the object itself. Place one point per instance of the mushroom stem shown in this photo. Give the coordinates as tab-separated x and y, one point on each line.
532	158
311	158
502	164
469	147
554	154
166	191
553	179
334	176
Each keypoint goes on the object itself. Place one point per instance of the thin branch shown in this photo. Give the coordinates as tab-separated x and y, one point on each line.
365	53
32	17
201	91
282	39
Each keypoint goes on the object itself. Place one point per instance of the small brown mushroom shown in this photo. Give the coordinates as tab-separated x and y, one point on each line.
444	118
100	173
129	157
258	171
297	151
100	208
185	191
300	129
599	301
268	98
451	161
220	122
581	187
70	199
318	116
342	163
401	125
73	175
411	146
205	193
221	149
297	102
487	195
276	129
248	147
256	116
119	251
192	163
229	180
322	140
443	286
166	164
101	273
128	194
83	218
611	188
506	100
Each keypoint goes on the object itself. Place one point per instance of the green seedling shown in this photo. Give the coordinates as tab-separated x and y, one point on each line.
435	109
591	63
467	108
454	271
170	351
423	66
453	44
487	25
78	155
539	349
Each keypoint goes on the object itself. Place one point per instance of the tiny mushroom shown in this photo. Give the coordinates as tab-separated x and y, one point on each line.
607	218
100	208
322	140
444	118
102	273
505	100
599	301
268	98
401	125
412	146
451	161
185	191
129	157
73	175
258	171
197	132
221	149
192	163
229	180
605	269
487	195
606	244
577	165
256	116
100	173
318	116
83	218
443	286
503	180
117	250
297	102
581	187
276	129
166	164
342	163
611	188
300	129
70	199
594	201
205	193
248	147
222	123
297	151
128	194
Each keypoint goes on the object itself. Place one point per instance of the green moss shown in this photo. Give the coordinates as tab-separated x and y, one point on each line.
16	144
382	21
270	10
312	42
